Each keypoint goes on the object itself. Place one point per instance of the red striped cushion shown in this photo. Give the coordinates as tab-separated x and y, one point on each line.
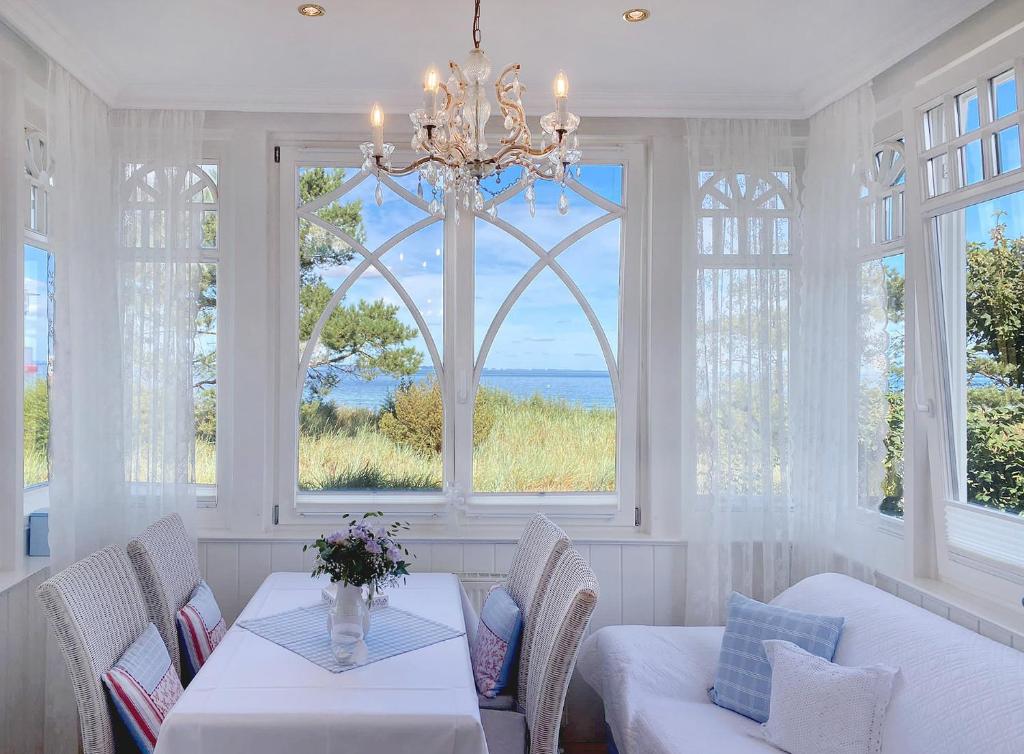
200	628
143	687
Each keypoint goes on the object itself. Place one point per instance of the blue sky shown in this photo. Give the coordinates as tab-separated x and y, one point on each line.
38	265
546	329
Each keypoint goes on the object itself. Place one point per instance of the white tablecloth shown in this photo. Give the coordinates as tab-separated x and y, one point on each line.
255	697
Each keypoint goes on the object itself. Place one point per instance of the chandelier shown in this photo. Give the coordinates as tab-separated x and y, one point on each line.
449	135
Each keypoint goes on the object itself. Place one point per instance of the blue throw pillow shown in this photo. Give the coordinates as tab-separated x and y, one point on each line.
743	682
494	652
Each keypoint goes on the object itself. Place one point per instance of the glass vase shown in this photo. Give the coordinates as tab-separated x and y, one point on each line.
348	623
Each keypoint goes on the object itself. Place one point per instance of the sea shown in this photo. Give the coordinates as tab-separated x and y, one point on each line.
584	388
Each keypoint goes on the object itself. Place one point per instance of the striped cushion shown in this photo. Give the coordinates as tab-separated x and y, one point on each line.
143	687
200	629
743	682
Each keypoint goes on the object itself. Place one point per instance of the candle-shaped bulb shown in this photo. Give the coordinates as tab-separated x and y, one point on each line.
431	81
561	85
377	124
561	97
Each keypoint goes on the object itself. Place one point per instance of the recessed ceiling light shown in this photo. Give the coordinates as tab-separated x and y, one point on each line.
636	15
310	10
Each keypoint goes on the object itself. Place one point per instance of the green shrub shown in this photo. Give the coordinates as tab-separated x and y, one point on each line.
412	416
206	415
319	418
37	417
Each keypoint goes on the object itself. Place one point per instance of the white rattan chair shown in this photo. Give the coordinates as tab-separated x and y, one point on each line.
168	571
96	609
569	599
539	549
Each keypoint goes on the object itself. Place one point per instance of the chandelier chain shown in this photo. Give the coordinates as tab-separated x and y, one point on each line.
476	26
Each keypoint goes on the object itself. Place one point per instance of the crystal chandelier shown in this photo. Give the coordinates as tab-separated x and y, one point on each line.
449	131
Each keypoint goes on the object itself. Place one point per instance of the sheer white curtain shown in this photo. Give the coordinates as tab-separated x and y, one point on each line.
829	533
157	288
122	422
737	528
125	329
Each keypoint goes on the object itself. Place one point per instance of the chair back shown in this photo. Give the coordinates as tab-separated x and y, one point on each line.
540	546
569	600
168	570
95	607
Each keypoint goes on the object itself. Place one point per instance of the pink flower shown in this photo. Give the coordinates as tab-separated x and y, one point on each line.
394	554
337	538
373	547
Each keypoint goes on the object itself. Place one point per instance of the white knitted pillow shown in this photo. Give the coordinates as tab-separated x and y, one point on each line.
818	707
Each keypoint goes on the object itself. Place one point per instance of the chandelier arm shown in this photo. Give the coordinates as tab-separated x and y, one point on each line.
520	129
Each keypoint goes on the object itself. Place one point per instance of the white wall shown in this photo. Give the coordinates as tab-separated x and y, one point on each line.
23	637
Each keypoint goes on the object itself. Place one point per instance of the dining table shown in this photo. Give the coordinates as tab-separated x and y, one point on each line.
254	696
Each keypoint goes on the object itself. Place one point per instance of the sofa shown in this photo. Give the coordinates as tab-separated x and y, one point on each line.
956	692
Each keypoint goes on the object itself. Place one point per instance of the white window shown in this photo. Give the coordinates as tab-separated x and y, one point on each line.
974	218
880	336
450	354
981	259
973	134
38	321
745	262
143	228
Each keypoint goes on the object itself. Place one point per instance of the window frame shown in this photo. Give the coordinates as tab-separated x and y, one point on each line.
458	350
789	262
876	248
932	389
37	495
207	495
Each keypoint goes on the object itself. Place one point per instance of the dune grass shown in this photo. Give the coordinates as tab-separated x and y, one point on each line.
534	445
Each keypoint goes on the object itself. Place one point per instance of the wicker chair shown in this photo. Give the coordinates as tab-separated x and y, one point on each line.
569	600
96	609
539	549
168	572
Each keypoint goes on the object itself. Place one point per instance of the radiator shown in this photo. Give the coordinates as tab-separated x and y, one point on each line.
477	585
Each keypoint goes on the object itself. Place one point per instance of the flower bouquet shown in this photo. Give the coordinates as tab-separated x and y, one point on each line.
364	554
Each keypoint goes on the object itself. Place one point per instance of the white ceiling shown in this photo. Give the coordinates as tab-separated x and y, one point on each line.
712	57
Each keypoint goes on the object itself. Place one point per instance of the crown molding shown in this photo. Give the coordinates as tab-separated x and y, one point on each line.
321	100
38	26
906	41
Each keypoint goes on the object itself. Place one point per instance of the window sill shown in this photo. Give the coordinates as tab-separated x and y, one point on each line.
978	614
25	568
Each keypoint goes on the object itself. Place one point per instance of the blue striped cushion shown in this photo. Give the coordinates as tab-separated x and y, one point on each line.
143	687
743	682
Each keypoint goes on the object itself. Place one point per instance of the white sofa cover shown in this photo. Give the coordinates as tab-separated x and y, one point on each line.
957	691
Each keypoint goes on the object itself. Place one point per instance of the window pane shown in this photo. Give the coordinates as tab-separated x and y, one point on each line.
38	293
971	168
934	127
967	116
370	414
982	255
880	403
1008	149
742	374
938	176
204	375
1004	94
545	414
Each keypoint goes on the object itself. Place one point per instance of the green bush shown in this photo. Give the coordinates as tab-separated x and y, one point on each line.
412	416
995	448
319	418
37	417
206	415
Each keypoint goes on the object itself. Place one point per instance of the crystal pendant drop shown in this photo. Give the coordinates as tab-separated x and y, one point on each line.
434	206
533	208
563	204
378	195
508	122
419	188
531	200
478	202
493	211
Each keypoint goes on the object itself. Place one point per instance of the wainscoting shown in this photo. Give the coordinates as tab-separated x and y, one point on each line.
23	635
640	583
